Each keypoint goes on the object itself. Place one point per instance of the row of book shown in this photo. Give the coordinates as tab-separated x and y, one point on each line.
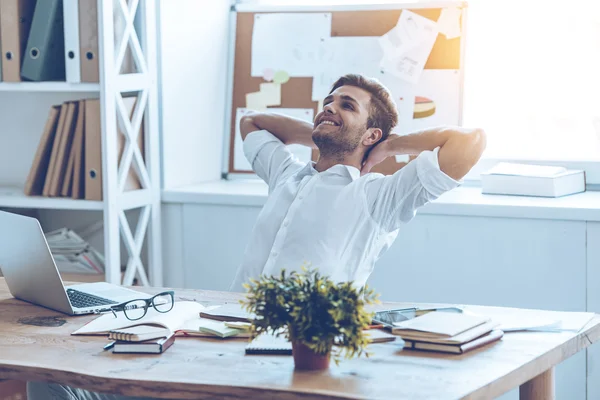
68	160
72	254
54	40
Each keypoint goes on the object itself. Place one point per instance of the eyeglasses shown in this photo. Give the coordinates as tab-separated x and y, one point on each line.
136	309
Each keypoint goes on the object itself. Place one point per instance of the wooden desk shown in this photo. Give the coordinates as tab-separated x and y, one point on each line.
195	368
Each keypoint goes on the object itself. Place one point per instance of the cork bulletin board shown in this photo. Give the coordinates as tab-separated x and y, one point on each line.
445	60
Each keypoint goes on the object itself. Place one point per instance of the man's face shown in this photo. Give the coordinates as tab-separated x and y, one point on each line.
339	127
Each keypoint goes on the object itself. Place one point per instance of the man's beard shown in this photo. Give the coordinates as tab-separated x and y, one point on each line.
338	144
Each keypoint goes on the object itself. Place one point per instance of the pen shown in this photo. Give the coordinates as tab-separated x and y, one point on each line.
109	346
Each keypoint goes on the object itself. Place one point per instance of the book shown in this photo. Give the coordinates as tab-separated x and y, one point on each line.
532	180
380	336
138	333
153	346
182	312
269	344
220	329
490	337
438	325
231	312
461	338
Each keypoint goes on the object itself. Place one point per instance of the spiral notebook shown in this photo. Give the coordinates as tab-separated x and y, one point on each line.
269	344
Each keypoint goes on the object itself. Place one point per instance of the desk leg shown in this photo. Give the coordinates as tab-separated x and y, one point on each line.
539	388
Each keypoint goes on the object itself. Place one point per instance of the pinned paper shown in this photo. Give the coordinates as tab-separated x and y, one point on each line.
320	106
407	46
449	22
268	74
256	101
281	77
271	93
402	158
288	41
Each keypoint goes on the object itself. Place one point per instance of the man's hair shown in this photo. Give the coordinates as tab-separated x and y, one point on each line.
382	112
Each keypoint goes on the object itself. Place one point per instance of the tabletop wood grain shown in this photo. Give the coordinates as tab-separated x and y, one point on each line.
36	344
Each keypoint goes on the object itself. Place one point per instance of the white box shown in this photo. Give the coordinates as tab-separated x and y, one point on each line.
562	184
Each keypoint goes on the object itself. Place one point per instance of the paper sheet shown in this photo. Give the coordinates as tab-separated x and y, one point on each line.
406	47
442	87
303	153
271	93
449	22
338	56
288	41
256	101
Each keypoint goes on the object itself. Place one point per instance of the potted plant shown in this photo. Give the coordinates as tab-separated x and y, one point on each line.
319	317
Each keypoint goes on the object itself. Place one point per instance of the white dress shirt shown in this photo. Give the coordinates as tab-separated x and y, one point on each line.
335	220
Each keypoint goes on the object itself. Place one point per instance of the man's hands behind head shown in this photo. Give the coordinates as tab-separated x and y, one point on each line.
380	152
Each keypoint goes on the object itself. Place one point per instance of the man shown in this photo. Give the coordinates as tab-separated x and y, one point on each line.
334	214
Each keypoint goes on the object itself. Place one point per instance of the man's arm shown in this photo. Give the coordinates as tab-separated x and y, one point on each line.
460	148
288	130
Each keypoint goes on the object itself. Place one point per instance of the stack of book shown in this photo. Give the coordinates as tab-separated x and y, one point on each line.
140	339
55	40
447	332
68	160
72	254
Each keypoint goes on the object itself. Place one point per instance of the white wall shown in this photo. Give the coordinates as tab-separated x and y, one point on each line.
194	44
530	263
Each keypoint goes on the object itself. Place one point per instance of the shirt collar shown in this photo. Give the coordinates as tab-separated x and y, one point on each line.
338	169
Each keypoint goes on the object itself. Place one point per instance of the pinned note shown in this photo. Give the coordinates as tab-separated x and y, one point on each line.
256	101
402	158
407	46
271	93
449	22
268	74
281	77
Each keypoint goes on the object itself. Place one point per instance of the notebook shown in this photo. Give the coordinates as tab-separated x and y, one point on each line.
138	333
153	346
269	344
228	312
438	325
220	329
380	336
461	338
490	337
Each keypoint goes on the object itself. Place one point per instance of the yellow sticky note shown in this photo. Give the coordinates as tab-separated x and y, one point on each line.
281	77
449	22
271	93
255	101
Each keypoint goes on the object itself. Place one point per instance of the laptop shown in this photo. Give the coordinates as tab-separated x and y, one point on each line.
31	273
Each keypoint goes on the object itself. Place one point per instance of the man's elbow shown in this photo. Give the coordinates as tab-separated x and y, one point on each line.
248	124
478	139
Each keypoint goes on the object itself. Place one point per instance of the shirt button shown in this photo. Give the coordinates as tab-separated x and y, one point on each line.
285	223
274	253
300	197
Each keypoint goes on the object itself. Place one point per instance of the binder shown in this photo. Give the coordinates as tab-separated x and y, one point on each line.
88	41
37	174
64	150
15	23
71	34
44	58
67	185
93	151
54	152
77	152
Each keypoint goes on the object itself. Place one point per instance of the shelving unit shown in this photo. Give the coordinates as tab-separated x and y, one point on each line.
146	161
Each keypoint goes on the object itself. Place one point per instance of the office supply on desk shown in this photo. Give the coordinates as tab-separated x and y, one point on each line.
532	180
31	273
380	336
15	24
457	348
438	325
220	329
138	333
152	346
232	312
266	343
44	58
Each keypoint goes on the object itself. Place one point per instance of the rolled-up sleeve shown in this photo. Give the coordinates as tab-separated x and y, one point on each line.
269	157
394	199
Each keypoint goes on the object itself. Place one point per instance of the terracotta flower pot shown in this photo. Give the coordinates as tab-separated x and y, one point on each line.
306	359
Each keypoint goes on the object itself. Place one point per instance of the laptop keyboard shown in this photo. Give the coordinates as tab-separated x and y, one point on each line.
84	300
